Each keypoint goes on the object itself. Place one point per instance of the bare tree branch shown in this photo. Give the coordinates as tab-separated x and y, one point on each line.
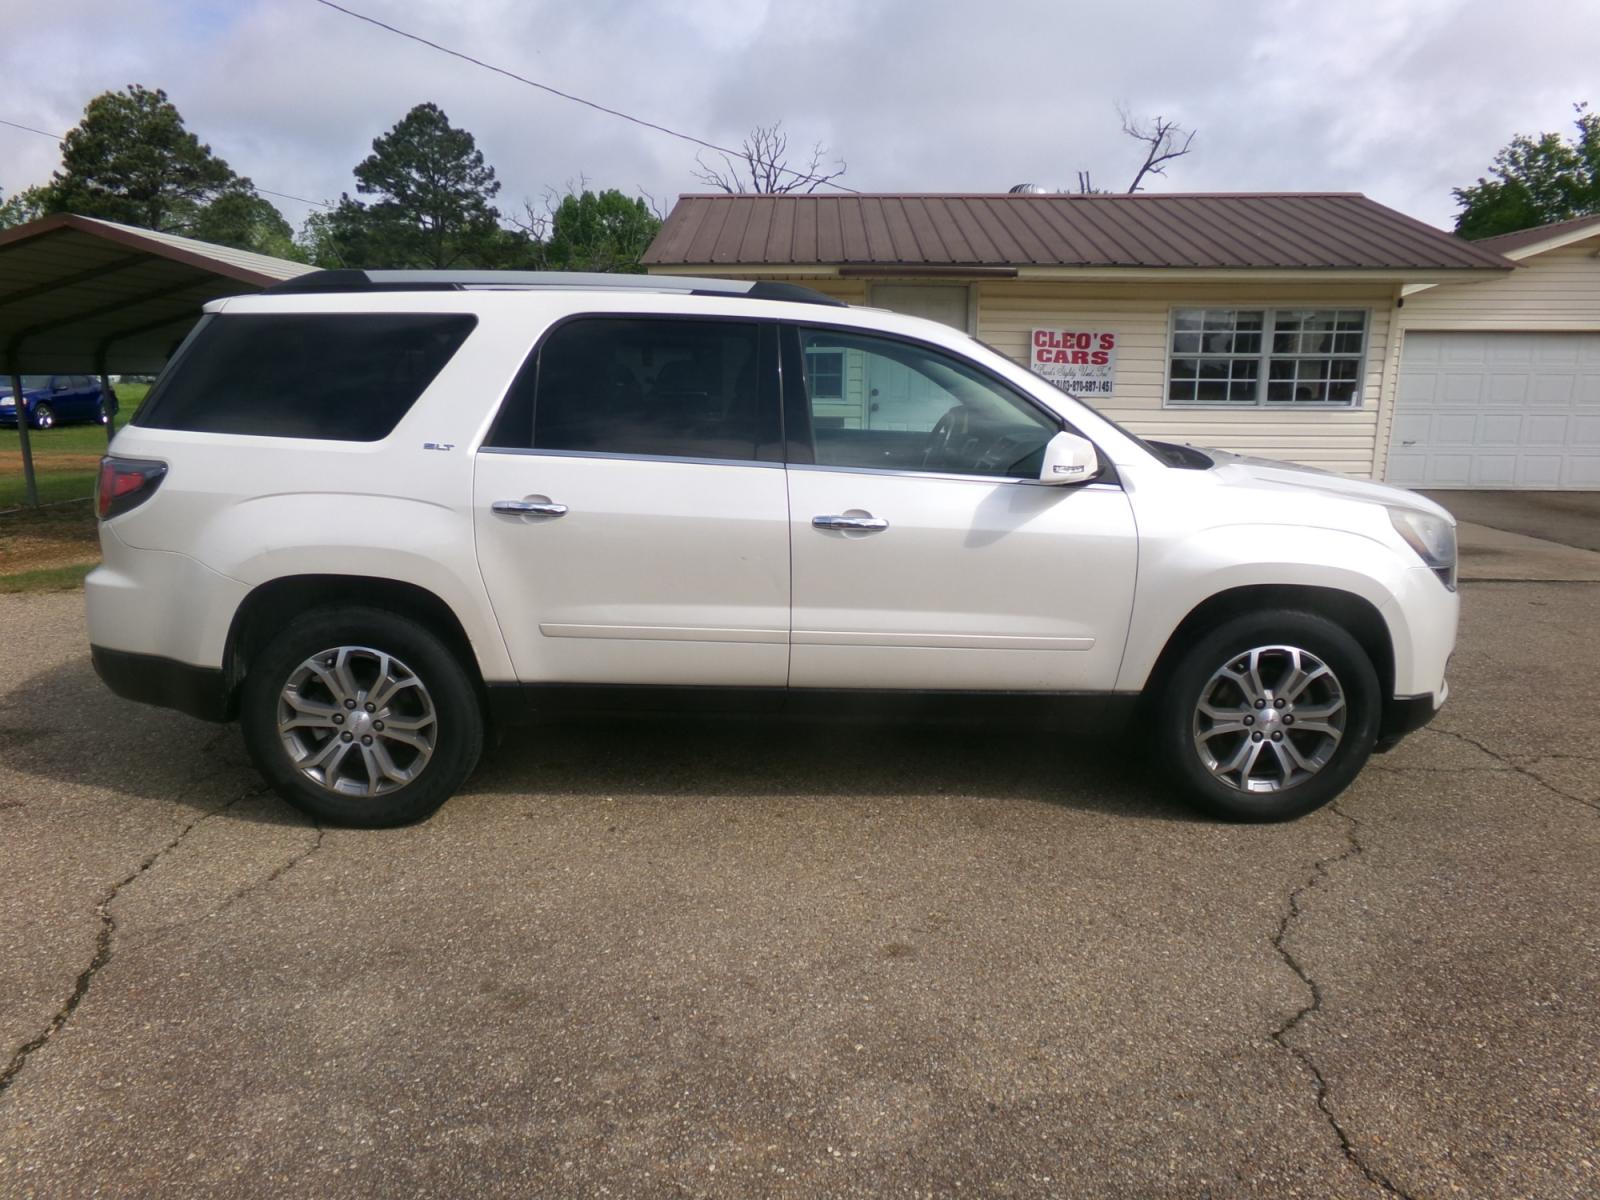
533	223
1165	141
652	204
763	166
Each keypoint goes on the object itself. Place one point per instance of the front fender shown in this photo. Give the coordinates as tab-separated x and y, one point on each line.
1178	574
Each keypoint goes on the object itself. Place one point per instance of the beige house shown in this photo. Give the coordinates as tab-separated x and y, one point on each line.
1268	324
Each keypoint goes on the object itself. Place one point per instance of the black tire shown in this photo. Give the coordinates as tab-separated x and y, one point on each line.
457	731
44	417
1181	694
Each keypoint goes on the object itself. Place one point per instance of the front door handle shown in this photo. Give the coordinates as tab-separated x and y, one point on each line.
867	524
529	508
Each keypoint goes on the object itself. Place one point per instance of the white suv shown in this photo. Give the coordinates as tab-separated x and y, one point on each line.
371	513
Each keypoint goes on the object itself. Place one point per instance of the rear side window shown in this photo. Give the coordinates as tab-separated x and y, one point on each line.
664	387
337	377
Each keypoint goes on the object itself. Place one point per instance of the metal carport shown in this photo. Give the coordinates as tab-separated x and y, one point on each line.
85	296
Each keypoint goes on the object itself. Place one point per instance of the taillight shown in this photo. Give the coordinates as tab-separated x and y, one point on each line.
125	483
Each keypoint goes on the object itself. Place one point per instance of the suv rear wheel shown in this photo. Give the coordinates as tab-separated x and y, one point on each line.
361	717
1269	716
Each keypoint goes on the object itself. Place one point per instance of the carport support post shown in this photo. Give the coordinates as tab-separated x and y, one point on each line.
30	488
108	407
108	404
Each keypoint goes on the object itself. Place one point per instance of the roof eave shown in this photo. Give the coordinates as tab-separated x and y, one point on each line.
111	232
1559	242
1383	275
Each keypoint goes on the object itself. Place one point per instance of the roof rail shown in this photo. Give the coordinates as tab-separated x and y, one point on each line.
456	281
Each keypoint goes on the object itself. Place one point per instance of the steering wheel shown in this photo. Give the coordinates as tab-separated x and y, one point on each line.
947	430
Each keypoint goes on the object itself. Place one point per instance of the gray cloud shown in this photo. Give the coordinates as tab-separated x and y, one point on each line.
1401	101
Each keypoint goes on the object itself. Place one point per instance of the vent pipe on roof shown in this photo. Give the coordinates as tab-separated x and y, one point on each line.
1028	189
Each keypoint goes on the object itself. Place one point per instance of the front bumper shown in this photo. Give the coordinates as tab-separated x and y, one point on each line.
1407	714
150	679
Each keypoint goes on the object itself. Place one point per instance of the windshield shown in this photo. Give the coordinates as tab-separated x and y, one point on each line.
30	383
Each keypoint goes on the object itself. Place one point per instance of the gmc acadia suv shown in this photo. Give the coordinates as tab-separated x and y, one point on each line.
369	513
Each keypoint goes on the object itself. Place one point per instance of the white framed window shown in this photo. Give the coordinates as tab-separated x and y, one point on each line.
824	374
1266	357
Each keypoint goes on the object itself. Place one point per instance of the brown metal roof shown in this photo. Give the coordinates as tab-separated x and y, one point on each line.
1505	243
83	295
1227	231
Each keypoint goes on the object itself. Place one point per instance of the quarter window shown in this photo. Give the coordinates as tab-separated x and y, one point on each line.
642	385
880	402
1282	357
339	377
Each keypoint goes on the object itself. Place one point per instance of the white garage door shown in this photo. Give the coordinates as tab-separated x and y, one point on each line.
1498	410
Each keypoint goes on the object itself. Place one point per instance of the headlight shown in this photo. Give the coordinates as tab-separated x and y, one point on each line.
1433	538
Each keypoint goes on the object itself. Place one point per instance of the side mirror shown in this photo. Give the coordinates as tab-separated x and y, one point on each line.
58	384
1069	459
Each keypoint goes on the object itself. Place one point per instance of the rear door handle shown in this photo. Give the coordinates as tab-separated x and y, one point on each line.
857	524
529	508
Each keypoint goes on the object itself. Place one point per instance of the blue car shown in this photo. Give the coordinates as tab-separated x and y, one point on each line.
56	400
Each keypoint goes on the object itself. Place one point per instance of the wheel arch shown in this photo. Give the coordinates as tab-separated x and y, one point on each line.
269	605
1356	614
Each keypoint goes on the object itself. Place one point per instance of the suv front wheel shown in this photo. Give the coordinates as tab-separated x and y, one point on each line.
360	717
1269	716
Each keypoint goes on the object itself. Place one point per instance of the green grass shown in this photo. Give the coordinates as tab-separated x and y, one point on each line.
64	439
51	579
56	483
53	485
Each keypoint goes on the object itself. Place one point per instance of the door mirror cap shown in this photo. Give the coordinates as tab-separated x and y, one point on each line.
1069	459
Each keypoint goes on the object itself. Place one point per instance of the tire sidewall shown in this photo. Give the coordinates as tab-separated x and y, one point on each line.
1307	631
459	714
44	417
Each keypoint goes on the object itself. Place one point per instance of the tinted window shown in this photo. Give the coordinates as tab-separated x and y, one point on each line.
640	385
341	377
878	402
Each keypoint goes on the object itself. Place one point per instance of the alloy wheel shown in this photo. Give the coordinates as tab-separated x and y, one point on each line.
357	721
1269	719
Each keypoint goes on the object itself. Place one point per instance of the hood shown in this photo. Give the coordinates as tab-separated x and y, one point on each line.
1238	469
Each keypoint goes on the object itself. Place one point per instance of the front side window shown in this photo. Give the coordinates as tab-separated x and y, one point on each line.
1231	358
642	385
880	402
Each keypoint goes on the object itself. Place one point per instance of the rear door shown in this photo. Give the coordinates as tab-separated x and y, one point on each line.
85	393
927	555
630	509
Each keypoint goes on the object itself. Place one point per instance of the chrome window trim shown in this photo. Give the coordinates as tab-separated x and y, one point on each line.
909	474
667	458
778	466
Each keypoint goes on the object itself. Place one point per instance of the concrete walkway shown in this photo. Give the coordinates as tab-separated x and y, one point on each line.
1570	518
1527	536
1494	554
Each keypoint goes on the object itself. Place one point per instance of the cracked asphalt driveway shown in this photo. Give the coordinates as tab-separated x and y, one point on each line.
742	960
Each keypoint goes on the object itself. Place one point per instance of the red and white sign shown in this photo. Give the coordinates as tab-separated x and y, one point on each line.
1080	361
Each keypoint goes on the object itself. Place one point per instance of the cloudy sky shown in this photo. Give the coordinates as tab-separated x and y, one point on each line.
1401	99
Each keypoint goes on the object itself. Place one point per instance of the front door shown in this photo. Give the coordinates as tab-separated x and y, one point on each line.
926	553
630	511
